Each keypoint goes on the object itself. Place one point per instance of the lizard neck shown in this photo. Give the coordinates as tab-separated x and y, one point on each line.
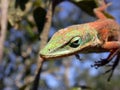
107	29
104	23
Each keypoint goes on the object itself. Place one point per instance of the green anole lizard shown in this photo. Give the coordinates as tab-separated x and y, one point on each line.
99	36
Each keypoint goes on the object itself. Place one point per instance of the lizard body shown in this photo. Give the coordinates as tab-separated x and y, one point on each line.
99	36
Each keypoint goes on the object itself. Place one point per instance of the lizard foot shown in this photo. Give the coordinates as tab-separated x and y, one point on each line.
103	62
115	64
100	63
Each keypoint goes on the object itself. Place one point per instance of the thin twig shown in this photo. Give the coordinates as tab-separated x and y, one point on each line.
4	10
44	38
44	34
37	77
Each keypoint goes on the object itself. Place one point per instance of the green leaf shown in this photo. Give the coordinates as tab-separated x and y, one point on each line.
21	4
86	5
108	15
55	3
39	15
76	88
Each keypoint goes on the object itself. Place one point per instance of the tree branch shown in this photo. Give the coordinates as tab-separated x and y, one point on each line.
44	38
4	10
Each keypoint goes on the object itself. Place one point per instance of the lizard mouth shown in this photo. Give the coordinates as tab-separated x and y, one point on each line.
59	53
62	53
56	54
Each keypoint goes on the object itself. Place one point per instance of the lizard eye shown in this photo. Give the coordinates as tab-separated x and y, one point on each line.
75	42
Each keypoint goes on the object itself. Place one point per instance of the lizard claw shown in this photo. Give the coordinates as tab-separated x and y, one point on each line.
105	61
100	63
78	57
115	64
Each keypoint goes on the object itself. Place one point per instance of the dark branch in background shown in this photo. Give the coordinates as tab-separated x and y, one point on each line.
44	38
3	17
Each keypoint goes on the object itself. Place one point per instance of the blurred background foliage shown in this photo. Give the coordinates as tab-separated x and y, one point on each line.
26	19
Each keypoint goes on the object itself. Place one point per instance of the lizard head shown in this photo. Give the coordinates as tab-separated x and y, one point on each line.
70	40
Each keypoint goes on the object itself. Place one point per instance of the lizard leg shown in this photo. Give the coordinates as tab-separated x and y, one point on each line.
110	45
98	11
115	64
114	47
